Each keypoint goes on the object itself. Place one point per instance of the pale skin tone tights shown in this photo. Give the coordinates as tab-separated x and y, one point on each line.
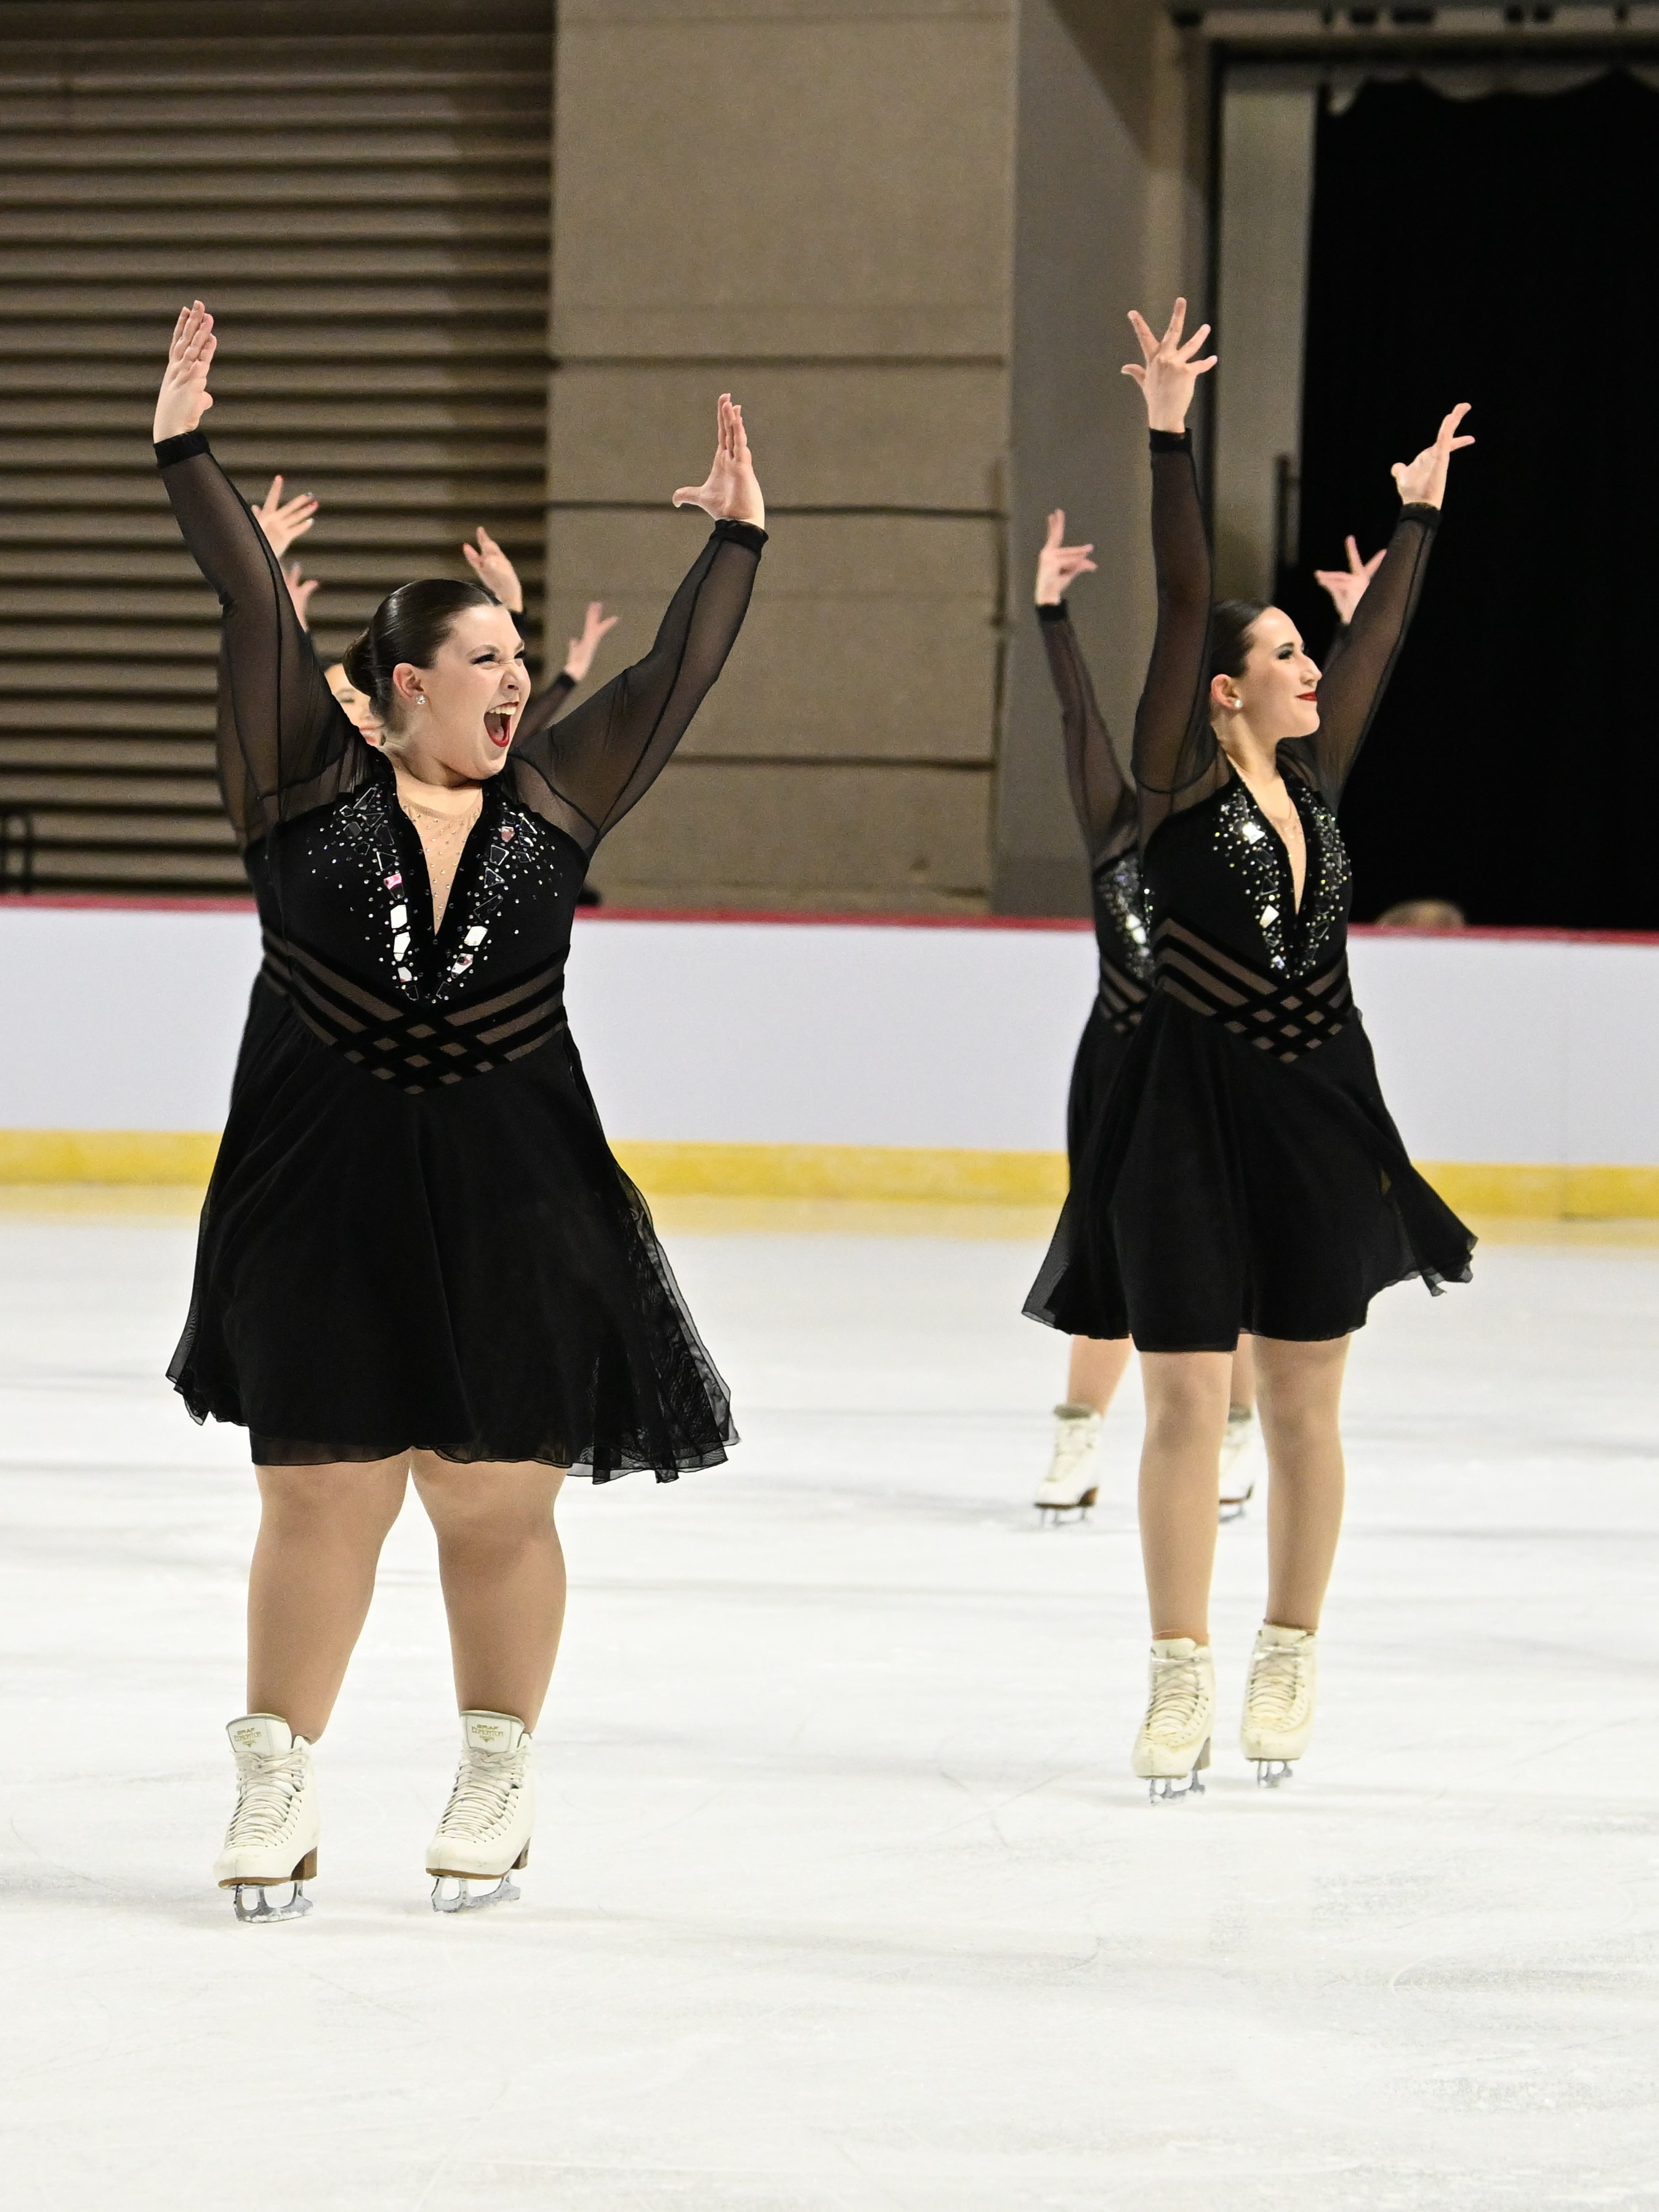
320	1533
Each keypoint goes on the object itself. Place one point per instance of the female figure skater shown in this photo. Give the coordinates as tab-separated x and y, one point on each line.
1245	1173
417	1256
1103	800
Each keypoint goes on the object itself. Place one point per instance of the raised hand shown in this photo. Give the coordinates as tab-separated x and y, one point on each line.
1347	585
184	398
1167	373
300	589
494	571
580	659
1422	482
1058	565
283	520
730	493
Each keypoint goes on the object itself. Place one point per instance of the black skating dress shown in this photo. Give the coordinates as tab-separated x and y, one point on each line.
1103	800
1245	1173
415	1234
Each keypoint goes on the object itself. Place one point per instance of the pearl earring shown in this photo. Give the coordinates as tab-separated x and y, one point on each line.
419	698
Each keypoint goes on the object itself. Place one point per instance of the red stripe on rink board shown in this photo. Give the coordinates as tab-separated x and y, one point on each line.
787	918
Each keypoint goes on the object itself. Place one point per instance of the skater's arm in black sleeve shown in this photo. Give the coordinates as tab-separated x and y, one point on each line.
1354	686
585	771
1362	657
282	738
1102	797
1177	761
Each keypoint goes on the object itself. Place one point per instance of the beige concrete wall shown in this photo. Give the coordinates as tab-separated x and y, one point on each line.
905	233
1108	215
805	201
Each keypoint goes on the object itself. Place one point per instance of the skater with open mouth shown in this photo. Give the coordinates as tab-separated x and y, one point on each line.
1245	1175
417	1256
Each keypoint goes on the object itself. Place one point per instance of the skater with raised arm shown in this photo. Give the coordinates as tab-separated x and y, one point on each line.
1103	800
1246	1175
418	1257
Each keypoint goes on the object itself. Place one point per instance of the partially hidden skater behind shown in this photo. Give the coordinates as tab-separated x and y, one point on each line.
1245	1173
417	1256
1103	800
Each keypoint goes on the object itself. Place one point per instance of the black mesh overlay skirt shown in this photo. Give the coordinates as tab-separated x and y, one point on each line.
1221	1189
1100	1054
468	1272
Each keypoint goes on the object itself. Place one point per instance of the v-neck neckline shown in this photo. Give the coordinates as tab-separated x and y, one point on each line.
1267	822
432	936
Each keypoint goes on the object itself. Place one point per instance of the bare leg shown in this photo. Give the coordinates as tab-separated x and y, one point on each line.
1186	1418
1240	1397
503	1568
1301	1406
1096	1369
320	1533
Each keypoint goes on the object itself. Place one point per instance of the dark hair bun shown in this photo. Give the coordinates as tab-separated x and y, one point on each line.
409	624
358	662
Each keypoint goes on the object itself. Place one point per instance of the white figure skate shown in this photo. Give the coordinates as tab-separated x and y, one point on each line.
1278	1701
1240	1451
1070	1486
272	1841
484	1834
1173	1748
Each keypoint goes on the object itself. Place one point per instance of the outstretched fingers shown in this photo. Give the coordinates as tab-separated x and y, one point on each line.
1448	439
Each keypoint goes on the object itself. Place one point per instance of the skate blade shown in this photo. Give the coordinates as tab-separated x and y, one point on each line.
294	1907
1232	1509
1271	1773
1054	1515
462	1899
1172	1789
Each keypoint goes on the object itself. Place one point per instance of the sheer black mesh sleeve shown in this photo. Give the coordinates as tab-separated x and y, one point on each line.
284	746
1357	673
584	772
1102	797
1177	761
544	710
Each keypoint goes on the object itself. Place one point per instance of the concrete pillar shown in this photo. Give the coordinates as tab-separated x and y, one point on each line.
905	233
1266	195
1108	215
806	204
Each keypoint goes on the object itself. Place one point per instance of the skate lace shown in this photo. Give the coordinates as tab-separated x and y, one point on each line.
1177	1699
1074	1441
1279	1684
482	1796
266	1790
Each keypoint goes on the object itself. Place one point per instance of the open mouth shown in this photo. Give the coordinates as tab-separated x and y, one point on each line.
498	726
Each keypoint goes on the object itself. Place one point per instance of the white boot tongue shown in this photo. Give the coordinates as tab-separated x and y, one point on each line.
263	1735
497	1732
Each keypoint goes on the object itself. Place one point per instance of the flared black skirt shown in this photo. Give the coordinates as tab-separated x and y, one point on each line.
1222	1190
468	1271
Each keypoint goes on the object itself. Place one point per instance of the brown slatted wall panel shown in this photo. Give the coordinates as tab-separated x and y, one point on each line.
360	193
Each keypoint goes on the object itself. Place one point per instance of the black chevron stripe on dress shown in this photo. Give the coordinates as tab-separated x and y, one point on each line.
1285	1019
1122	998
417	1047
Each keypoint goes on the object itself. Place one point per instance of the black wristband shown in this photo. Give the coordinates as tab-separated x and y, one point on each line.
1051	611
742	533
1170	441
1420	511
190	443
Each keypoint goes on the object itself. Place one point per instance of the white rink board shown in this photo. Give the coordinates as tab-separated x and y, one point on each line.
1511	1049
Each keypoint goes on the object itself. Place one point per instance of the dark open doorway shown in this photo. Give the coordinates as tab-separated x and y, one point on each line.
1498	250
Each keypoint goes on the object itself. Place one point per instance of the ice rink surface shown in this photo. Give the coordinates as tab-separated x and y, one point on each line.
842	1898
